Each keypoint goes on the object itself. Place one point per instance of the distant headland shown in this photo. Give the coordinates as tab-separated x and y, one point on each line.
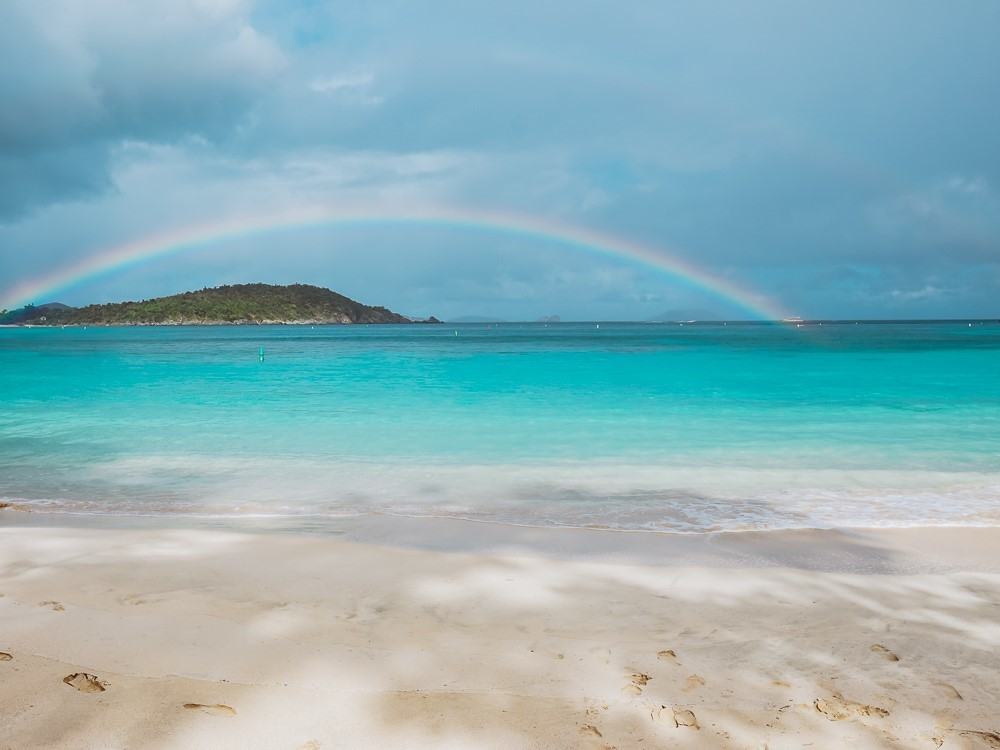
240	304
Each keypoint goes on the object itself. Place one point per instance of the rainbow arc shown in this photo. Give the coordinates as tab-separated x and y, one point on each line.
134	252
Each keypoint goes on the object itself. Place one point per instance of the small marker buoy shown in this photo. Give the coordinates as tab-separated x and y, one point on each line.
260	354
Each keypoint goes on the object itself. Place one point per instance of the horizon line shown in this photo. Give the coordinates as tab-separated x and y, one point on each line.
496	321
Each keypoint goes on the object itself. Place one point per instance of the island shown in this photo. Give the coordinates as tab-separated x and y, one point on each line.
239	304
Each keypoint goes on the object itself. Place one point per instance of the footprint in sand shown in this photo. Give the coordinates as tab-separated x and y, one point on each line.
4	656
990	739
637	681
886	654
941	729
839	708
684	717
85	683
212	709
676	717
54	606
591	730
951	690
310	745
593	712
694	682
777	716
134	599
667	655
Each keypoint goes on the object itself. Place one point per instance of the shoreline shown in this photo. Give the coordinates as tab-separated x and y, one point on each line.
953	547
220	638
309	521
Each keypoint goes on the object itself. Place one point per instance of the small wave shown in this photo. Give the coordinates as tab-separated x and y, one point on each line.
656	512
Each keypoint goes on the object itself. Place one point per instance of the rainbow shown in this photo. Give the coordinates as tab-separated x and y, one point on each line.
134	252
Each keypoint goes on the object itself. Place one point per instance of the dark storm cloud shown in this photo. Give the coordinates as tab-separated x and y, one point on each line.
81	78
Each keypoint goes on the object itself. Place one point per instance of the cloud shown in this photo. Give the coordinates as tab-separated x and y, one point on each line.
353	89
331	84
958	215
910	295
79	78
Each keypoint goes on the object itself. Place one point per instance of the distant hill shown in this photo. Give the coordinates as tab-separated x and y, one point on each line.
32	313
224	305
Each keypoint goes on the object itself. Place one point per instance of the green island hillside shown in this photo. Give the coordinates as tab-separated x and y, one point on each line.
241	304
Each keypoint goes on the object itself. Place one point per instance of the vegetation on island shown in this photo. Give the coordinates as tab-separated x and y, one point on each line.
229	305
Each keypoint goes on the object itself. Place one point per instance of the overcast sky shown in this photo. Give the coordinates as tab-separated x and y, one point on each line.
840	158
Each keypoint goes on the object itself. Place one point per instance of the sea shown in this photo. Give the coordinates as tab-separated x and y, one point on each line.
666	427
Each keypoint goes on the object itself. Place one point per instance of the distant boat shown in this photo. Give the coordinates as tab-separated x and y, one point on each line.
793	319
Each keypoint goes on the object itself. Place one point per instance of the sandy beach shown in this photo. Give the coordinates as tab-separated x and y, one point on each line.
151	637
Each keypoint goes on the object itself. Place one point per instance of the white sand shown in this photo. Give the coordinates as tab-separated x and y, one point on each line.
308	641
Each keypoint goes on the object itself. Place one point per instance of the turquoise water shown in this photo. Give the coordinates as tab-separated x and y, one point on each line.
653	426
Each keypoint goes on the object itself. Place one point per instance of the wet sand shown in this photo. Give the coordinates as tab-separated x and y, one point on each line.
460	635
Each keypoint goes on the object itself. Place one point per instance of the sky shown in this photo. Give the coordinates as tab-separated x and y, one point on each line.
838	159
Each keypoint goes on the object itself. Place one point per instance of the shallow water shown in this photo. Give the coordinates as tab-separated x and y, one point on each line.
652	426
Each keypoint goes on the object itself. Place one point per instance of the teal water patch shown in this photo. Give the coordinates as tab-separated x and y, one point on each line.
656	426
